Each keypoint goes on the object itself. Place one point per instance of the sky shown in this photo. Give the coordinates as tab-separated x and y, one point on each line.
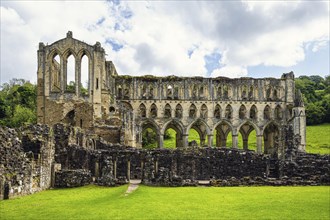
184	38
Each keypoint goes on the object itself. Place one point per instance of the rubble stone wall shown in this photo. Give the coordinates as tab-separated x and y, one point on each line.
37	157
26	159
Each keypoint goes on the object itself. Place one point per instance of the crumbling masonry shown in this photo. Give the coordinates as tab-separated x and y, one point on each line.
92	133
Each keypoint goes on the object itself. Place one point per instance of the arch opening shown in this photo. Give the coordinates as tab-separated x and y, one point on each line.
198	134
229	112
242	112
173	137
217	111
142	111
253	112
203	113
222	135
267	112
56	73
271	138
178	111
153	111
278	113
70	74
149	137
84	76
167	111
247	139
192	111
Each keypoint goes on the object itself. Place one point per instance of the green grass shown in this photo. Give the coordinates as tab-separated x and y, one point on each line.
318	139
93	202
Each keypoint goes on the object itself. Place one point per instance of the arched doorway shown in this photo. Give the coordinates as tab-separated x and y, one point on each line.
150	135
247	139
173	137
271	138
222	133
198	133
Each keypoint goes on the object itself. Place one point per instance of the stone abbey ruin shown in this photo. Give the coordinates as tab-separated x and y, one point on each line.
93	134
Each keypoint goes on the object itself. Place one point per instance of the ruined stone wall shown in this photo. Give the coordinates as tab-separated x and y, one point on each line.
110	165
26	159
186	167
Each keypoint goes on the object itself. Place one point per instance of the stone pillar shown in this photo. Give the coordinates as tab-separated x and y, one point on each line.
128	170
202	141
299	126
245	144
63	66
235	141
142	170
210	140
259	144
77	76
156	166
223	142
185	140
161	141
115	168
97	172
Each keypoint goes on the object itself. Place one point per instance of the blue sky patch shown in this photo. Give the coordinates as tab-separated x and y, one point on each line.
212	62
126	14
100	21
115	46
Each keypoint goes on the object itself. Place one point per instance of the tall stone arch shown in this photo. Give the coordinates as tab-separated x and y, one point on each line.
178	127
245	128
202	129
222	129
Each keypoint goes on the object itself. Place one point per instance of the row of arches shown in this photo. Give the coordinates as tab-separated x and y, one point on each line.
247	136
174	91
200	91
203	113
70	72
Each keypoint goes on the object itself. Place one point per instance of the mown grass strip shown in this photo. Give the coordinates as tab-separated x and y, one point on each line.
94	202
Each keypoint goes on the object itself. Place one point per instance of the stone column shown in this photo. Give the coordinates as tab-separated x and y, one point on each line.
77	73
115	168
185	140
63	66
210	140
235	141
259	144
245	144
161	141
156	165
128	170
97	169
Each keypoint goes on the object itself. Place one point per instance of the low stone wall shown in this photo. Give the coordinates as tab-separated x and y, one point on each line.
313	168
72	178
115	165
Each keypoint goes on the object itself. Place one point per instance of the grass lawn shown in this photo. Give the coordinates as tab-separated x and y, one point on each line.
94	202
318	139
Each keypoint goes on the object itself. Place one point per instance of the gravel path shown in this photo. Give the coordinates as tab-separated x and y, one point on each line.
133	185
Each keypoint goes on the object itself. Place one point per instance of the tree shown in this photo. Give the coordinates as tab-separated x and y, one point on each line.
18	103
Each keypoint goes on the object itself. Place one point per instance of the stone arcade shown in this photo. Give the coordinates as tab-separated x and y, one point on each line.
93	133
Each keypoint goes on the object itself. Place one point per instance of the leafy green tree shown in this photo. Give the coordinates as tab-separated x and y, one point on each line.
315	114
23	116
17	103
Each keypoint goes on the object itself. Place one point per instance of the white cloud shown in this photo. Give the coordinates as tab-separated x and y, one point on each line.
156	37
